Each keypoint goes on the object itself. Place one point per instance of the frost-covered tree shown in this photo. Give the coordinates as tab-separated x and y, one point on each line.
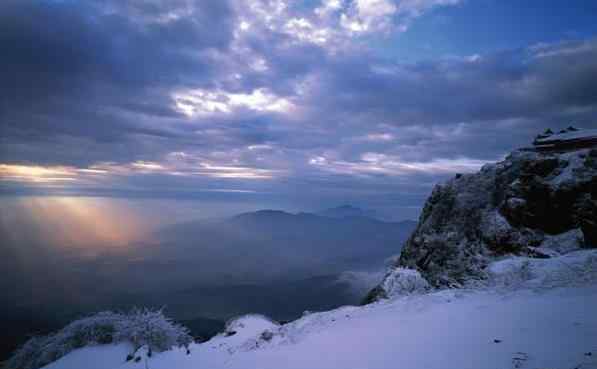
139	327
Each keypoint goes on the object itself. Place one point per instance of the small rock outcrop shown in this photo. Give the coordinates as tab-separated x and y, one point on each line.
535	203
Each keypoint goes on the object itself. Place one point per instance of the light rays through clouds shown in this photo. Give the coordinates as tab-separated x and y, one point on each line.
269	96
78	226
83	226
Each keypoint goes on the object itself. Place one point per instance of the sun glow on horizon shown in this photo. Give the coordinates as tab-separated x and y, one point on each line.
90	225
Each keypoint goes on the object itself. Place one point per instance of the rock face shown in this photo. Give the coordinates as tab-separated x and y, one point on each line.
534	203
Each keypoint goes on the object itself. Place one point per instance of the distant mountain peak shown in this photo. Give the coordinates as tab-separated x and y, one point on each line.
269	212
346	211
347	206
265	213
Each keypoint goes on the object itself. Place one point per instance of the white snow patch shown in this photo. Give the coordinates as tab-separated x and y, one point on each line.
575	268
242	332
94	357
564	242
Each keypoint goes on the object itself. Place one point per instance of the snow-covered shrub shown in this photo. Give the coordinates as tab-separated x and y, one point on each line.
398	281
140	327
152	329
402	281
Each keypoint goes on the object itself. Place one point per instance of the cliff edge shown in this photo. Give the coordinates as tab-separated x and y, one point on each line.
539	202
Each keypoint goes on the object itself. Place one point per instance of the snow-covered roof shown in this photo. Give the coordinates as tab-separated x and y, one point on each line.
570	139
569	135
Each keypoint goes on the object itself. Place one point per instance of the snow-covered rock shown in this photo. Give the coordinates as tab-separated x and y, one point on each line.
564	242
575	268
398	282
534	204
245	332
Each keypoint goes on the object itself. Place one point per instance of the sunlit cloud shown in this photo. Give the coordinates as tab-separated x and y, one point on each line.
226	190
259	65
380	137
328	7
381	164
204	102
188	165
175	164
368	16
259	147
375	137
37	174
222	171
244	25
333	23
546	50
147	166
304	30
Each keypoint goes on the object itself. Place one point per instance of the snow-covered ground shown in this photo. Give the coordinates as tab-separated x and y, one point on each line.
532	313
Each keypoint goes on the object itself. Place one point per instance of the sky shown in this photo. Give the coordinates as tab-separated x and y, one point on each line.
297	104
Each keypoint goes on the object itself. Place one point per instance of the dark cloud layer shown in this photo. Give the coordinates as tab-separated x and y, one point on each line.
182	95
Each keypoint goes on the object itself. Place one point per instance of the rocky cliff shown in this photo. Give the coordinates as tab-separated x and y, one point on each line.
536	203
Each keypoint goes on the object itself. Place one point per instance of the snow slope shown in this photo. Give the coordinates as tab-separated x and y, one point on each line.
531	313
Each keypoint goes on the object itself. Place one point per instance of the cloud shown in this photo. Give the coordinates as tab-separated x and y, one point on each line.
37	174
105	64
376	137
372	163
104	172
204	102
368	16
265	96
363	17
333	23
